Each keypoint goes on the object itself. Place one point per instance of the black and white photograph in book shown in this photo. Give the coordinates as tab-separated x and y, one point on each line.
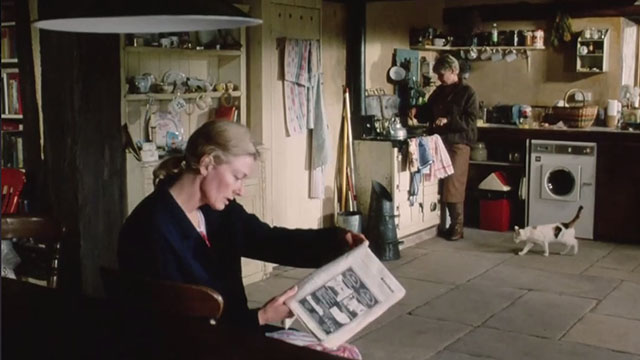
339	301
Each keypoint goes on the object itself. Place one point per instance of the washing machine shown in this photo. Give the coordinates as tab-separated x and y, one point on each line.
562	176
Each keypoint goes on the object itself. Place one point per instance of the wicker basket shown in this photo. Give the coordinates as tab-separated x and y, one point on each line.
575	116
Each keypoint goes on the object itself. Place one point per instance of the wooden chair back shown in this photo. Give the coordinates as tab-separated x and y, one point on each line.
12	183
162	297
36	240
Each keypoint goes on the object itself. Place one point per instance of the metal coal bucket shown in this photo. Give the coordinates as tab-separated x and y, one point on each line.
381	225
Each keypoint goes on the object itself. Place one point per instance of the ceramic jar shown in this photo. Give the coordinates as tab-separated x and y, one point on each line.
479	152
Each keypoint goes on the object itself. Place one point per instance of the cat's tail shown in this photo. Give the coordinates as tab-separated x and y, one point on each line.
573	221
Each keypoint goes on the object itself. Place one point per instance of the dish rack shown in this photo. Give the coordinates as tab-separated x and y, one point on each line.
575	116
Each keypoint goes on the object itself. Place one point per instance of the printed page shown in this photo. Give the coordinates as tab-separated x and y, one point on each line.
339	299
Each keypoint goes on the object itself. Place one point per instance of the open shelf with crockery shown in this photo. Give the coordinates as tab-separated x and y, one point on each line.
181	52
168	92
171	96
448	48
592	51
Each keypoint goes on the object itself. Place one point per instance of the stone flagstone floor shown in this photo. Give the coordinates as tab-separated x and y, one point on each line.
477	299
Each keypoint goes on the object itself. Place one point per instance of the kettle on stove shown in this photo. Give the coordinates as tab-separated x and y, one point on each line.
395	130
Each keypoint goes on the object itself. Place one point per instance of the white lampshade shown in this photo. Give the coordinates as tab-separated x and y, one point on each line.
131	16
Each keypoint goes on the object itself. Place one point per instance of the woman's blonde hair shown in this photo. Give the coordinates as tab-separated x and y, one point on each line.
222	140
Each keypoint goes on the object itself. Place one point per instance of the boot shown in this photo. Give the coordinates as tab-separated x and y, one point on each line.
443	230
456	213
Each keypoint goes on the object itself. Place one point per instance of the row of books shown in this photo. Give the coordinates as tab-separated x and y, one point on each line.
9	42
11	101
12	155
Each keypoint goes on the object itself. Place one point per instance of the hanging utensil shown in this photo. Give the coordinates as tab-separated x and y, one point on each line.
147	118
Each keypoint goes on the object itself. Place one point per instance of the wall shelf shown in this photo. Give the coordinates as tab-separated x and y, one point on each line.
592	53
181	52
496	163
446	48
144	97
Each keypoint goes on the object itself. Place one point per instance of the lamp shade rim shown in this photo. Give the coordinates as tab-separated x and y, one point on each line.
144	23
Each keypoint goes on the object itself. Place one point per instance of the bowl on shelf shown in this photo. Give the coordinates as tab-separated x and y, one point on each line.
163	88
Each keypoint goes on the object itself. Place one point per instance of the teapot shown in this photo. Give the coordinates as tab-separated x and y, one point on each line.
440	41
141	84
395	130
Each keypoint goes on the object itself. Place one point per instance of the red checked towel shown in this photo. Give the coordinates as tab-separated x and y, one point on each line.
441	166
304	105
300	338
296	82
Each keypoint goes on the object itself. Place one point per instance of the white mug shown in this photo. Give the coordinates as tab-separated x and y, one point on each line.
439	42
511	55
496	56
165	42
177	105
485	54
472	54
203	102
174	41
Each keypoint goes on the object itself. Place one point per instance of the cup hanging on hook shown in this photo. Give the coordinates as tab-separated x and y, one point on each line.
511	55
496	55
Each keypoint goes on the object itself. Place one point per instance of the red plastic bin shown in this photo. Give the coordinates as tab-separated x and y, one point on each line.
495	214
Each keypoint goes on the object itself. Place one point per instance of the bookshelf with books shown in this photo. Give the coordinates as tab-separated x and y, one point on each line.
11	100
12	148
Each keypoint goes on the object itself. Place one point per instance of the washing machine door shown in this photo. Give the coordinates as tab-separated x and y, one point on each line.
560	182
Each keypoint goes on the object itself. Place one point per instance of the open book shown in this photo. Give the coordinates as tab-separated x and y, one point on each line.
342	297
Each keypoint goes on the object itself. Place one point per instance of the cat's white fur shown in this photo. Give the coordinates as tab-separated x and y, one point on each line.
543	235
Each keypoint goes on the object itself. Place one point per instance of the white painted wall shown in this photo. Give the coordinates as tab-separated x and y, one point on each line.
288	162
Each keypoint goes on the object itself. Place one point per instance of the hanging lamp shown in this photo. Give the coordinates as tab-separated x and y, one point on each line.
140	16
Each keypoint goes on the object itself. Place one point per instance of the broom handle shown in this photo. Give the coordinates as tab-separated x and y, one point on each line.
343	165
353	206
350	150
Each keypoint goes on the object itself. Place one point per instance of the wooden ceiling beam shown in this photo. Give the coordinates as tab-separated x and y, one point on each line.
544	11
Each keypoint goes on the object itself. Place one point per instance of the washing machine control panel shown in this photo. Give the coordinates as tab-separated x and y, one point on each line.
586	150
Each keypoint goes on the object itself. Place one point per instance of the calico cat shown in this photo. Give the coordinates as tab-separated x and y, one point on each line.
564	233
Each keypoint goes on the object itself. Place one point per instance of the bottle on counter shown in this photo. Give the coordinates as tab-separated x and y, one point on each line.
494	34
525	116
483	114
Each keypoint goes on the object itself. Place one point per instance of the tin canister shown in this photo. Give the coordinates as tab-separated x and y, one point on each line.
538	38
528	38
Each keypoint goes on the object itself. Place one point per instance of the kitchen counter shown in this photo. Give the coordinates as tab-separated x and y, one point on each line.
617	171
552	128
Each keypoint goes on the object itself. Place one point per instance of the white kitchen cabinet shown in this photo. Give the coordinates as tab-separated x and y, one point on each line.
383	162
592	51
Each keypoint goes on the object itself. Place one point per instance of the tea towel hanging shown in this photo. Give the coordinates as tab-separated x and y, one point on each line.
304	104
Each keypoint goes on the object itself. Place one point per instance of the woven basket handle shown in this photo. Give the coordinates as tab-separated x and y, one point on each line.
572	91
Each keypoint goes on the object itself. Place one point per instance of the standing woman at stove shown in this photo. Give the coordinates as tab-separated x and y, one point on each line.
451	111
